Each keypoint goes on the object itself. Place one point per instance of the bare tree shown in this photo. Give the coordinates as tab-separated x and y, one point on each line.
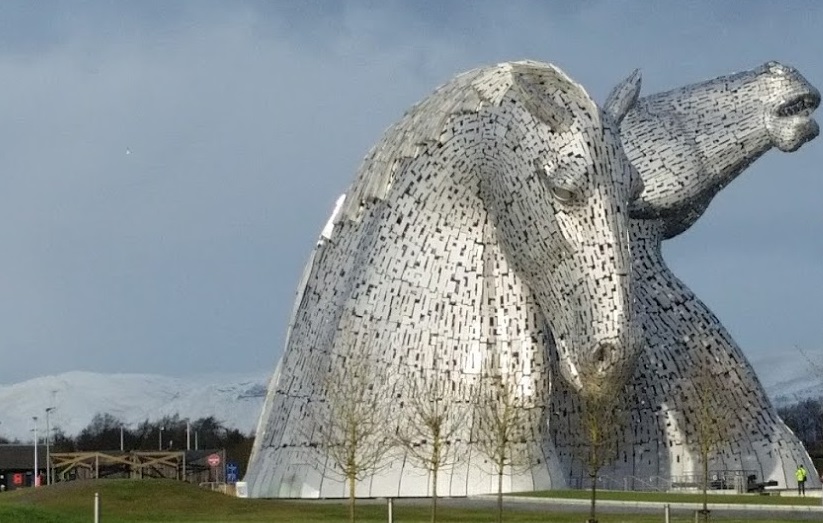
603	419
815	366
713	415
506	420
430	431
354	421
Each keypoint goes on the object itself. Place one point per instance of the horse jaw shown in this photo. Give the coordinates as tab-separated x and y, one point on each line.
788	118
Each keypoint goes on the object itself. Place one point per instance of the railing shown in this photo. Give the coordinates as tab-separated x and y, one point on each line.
606	482
718	480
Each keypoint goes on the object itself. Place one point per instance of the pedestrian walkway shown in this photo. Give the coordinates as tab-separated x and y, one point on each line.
650	505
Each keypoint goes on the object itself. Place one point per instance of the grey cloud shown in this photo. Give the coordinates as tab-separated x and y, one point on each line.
245	120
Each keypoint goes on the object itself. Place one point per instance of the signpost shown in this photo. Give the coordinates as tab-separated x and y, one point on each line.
231	472
213	460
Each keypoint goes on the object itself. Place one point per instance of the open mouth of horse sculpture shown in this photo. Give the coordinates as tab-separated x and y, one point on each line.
801	105
789	122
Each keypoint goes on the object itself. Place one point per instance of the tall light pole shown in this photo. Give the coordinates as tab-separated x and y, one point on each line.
34	478
48	447
160	440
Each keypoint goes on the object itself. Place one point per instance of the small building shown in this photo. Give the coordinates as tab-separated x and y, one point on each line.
17	466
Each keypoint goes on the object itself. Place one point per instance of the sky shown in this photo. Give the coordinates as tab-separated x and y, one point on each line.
166	167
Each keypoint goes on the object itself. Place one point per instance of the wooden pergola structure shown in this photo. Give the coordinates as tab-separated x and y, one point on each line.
133	464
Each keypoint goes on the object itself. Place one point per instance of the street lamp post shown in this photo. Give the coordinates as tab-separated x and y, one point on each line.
48	447
34	478
160	439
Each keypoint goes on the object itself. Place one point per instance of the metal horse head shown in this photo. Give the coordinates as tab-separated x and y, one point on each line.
690	142
558	193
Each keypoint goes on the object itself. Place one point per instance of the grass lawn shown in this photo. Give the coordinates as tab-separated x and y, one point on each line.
126	501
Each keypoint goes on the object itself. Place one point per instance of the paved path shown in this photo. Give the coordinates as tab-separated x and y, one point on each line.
581	506
656	505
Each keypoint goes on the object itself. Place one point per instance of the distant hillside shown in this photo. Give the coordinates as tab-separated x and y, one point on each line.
788	377
234	400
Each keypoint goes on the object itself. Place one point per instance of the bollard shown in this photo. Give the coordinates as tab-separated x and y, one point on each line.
96	507
667	513
390	506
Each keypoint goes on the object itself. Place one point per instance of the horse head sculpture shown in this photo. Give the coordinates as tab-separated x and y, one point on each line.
574	257
523	148
688	144
488	224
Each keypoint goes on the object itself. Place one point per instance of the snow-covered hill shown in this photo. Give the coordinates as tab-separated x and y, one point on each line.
234	400
788	377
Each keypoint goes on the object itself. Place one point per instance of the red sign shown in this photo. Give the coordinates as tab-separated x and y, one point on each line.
17	479
213	459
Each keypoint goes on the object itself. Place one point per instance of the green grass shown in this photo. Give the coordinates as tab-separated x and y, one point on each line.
673	497
127	501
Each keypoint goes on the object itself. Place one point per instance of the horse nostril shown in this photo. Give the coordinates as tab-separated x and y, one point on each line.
603	355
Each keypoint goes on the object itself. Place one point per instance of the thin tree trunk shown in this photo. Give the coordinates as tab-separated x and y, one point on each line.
351	499
705	486
500	493
594	494
434	494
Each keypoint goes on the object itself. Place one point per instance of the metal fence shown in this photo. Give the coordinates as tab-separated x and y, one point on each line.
718	480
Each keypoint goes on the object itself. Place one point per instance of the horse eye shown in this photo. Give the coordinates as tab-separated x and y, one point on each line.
562	195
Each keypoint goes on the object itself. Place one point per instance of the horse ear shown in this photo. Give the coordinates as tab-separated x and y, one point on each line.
623	97
534	87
